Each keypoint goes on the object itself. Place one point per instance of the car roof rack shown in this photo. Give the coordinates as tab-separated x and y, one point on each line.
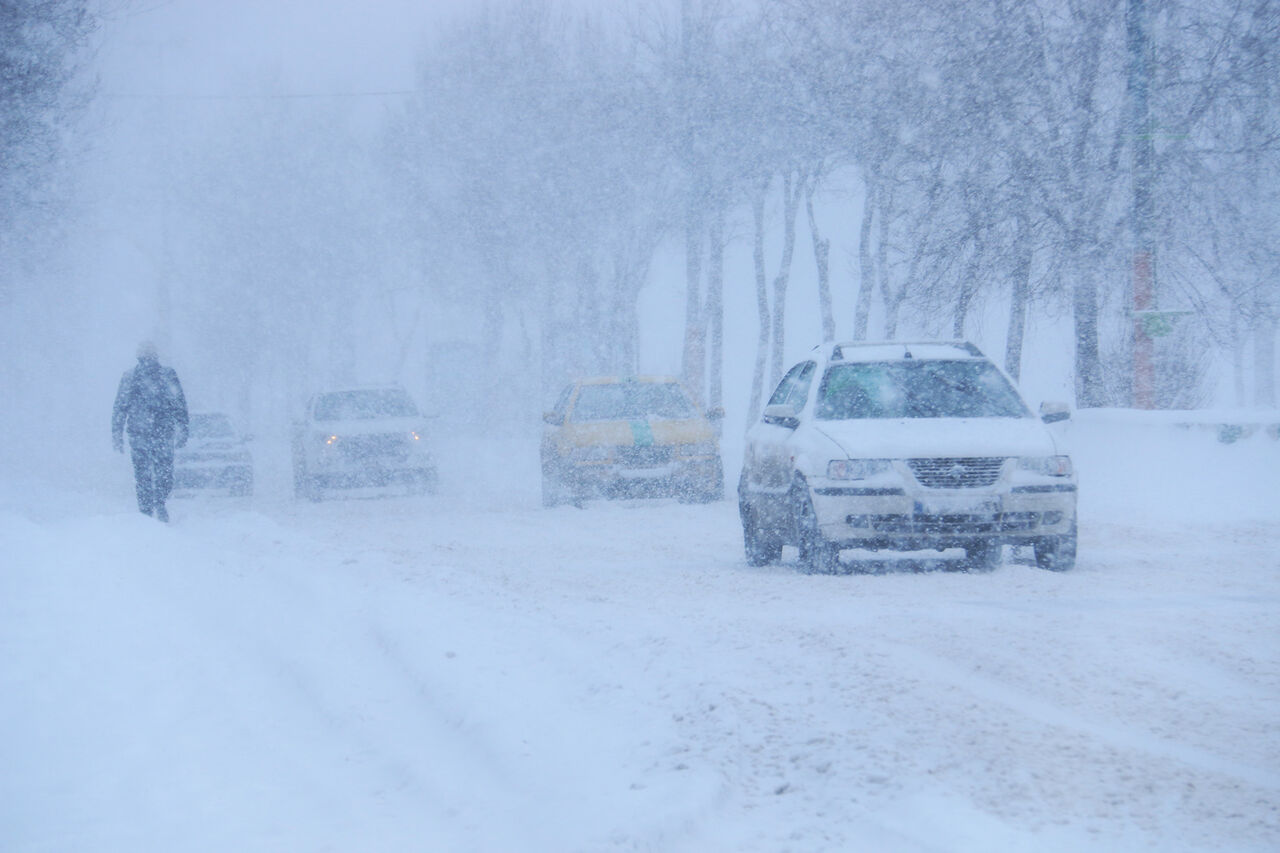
903	349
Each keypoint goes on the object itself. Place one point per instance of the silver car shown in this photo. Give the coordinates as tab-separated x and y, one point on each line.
905	446
369	436
214	457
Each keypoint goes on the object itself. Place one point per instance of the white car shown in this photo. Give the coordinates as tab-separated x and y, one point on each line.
366	436
905	446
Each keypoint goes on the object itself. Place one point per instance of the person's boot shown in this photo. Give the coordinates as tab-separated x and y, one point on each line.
162	514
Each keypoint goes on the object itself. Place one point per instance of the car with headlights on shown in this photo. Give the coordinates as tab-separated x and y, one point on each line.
637	436
368	436
215	457
905	446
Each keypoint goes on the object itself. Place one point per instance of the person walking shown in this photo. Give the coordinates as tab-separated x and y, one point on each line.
151	407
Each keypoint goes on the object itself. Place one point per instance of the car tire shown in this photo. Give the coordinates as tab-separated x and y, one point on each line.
242	487
984	556
423	482
1057	553
554	491
305	485
818	555
551	491
762	549
713	489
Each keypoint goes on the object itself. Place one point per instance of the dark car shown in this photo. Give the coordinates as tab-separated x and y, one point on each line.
215	457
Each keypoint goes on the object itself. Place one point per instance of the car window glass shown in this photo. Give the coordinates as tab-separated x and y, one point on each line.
799	394
364	405
918	389
631	401
783	391
563	402
210	426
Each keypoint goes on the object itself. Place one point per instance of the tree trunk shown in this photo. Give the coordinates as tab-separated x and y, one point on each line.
866	267
1021	275
1090	392
821	257
695	340
791	191
762	303
1264	357
968	287
892	301
715	310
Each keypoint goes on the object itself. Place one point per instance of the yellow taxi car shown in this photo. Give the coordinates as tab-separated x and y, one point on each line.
636	436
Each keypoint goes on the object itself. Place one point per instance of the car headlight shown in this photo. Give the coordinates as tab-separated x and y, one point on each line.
593	453
1049	466
698	448
856	469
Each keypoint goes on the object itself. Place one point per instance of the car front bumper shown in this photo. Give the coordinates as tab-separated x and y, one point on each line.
212	475
912	520
673	475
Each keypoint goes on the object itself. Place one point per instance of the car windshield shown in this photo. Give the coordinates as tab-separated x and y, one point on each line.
365	405
632	401
211	426
917	389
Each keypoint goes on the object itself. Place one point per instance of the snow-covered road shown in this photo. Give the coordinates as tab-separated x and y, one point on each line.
443	674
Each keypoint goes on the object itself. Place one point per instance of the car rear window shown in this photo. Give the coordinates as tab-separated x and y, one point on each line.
631	401
364	405
917	389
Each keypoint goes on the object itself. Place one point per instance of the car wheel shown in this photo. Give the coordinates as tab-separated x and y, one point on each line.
554	491
551	490
242	487
1057	553
306	485
762	548
423	482
713	488
983	556
818	554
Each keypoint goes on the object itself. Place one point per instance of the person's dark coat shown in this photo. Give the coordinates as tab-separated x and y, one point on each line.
152	409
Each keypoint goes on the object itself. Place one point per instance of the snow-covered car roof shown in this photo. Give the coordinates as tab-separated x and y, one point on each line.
891	350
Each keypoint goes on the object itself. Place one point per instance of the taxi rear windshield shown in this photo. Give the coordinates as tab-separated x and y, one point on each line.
631	401
917	389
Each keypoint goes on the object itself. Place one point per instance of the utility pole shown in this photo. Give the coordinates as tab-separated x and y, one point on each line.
1140	132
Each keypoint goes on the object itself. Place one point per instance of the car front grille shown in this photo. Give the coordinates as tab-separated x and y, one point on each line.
643	457
946	525
961	473
379	447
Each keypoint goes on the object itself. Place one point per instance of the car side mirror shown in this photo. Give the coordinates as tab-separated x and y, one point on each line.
780	414
1051	413
716	414
552	418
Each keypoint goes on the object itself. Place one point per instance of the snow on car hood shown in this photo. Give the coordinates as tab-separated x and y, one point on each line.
934	437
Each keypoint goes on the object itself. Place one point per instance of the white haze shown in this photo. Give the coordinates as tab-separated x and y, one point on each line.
1164	640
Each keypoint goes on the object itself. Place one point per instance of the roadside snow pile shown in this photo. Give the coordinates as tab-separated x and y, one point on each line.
1176	466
